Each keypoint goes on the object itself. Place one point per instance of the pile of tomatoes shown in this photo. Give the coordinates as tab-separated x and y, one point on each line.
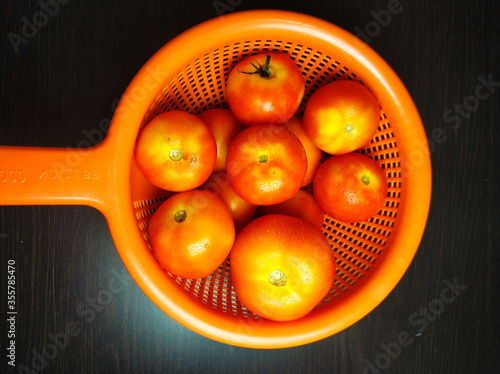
241	178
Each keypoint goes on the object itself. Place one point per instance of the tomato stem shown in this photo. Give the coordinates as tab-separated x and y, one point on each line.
263	71
267	73
175	154
262	158
277	278
180	216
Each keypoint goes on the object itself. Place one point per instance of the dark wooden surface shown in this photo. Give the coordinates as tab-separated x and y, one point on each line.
64	80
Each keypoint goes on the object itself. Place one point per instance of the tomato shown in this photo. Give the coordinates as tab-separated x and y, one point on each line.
176	151
266	164
341	117
192	233
241	210
224	127
313	153
265	89
281	267
350	187
301	205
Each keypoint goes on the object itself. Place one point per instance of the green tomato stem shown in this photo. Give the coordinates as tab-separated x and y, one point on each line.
267	73
277	278
264	72
180	216
262	158
175	154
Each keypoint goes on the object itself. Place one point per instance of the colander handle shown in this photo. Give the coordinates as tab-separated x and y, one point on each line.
55	176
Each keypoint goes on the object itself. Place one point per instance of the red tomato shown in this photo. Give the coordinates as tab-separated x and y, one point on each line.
224	127
281	267
266	164
241	210
192	233
313	153
341	117
176	151
350	187
301	205
265	89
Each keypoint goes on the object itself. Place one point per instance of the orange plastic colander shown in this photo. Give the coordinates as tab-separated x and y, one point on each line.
189	73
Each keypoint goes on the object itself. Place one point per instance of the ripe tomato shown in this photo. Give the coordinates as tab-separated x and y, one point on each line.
281	267
241	210
265	89
266	164
313	153
176	151
301	205
350	187
341	117
224	127
192	233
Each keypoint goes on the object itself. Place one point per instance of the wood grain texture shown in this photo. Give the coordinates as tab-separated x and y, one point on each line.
62	84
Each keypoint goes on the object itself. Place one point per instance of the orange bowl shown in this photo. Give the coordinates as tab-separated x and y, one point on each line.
189	73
